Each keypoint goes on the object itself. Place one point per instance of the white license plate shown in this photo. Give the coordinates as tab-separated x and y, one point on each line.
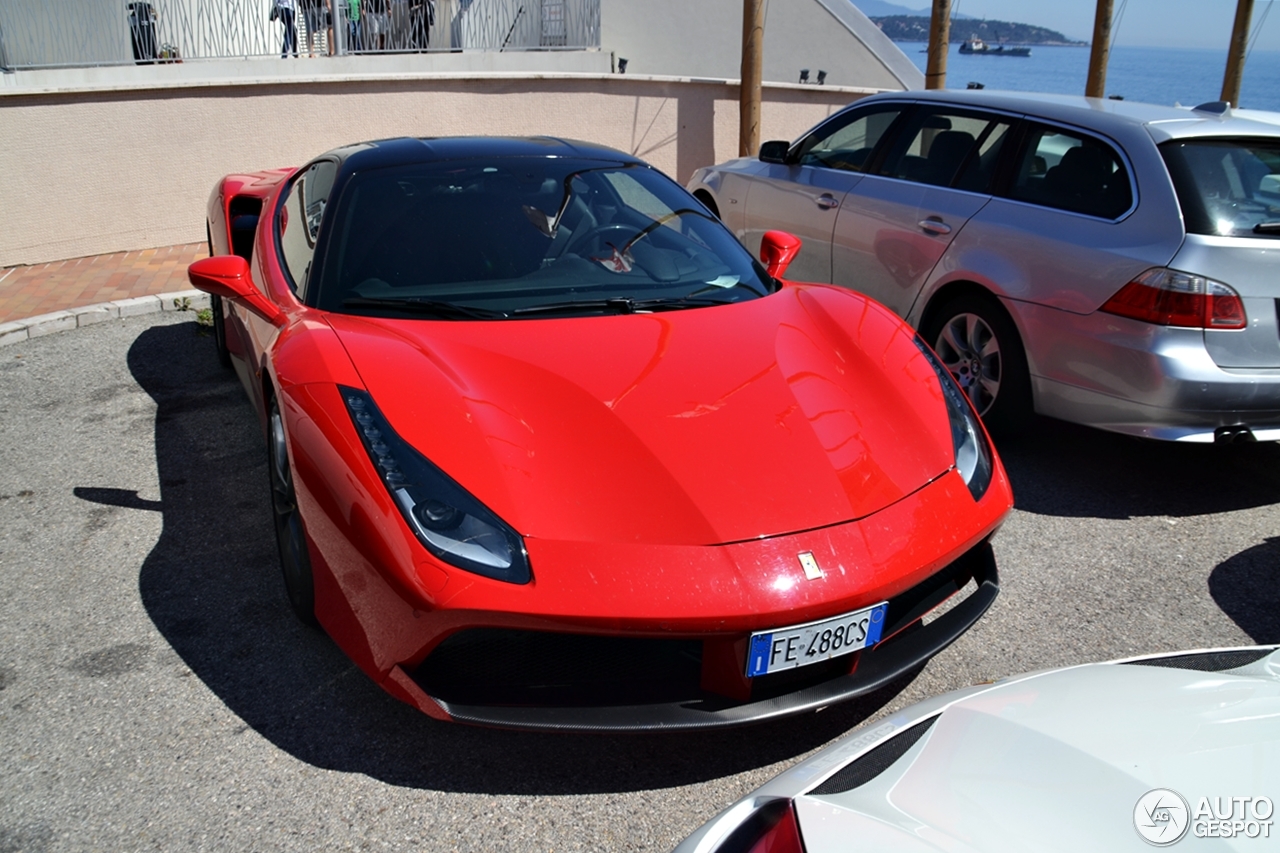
801	645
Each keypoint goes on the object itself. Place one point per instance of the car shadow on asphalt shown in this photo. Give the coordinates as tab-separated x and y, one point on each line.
1247	588
1062	469
212	587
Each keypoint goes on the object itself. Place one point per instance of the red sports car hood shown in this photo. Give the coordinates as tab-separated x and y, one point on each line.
803	409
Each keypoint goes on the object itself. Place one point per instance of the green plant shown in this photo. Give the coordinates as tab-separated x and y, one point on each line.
182	303
204	317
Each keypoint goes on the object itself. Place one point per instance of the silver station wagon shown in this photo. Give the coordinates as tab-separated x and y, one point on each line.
1111	263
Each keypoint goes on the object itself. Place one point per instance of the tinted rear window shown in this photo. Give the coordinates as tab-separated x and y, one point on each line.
1073	172
1227	187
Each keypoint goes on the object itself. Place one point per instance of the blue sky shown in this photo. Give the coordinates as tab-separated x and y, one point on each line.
1162	23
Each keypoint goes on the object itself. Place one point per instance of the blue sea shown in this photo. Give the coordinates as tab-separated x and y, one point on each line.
1158	75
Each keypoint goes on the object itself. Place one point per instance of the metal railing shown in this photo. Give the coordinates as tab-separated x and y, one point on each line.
79	33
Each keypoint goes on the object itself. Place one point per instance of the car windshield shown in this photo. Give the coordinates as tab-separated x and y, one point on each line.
517	237
1229	188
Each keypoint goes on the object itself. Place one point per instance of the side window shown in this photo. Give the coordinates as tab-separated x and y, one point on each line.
1073	172
949	149
300	218
848	141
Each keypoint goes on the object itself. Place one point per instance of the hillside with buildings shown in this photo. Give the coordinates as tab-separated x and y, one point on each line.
916	28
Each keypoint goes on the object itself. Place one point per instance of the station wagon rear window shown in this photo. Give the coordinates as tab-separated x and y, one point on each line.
1229	188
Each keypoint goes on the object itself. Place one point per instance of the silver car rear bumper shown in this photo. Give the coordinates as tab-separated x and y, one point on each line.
1140	379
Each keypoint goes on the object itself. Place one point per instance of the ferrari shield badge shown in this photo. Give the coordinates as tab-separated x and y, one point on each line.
810	566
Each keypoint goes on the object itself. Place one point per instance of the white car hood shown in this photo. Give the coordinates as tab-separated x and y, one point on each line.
1058	761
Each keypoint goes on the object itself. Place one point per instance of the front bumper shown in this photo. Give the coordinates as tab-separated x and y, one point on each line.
546	695
396	611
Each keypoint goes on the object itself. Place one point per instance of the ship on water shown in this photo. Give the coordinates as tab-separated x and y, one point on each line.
979	47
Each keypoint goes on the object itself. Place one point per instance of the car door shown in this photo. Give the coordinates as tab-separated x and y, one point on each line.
1065	227
804	194
895	225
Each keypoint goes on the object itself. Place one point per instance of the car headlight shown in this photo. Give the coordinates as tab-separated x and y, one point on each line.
973	454
451	523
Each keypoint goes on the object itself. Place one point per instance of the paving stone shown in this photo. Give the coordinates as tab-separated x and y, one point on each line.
47	324
12	333
90	314
28	291
137	305
194	300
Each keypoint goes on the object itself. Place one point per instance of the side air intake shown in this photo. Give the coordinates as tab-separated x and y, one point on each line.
1208	661
875	762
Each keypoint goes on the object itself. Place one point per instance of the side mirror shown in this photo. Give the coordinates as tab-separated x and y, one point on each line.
228	276
775	151
777	250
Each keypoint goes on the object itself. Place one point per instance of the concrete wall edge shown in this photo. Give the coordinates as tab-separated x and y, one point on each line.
322	79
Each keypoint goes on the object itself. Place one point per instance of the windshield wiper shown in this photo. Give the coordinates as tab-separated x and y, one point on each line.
1267	228
677	302
622	305
618	304
435	307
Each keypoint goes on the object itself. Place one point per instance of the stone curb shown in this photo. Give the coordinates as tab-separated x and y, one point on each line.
17	331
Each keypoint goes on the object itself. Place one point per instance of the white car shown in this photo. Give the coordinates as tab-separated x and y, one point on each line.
1112	263
1177	748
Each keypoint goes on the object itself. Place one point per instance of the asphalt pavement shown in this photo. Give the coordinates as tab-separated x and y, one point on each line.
157	694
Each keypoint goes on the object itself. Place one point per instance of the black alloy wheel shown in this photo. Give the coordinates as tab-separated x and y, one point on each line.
291	538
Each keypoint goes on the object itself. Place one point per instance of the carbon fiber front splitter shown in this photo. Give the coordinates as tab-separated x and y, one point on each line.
900	653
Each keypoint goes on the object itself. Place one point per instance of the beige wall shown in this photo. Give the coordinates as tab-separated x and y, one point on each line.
85	173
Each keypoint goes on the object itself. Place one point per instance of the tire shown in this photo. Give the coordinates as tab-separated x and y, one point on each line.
291	537
979	345
219	331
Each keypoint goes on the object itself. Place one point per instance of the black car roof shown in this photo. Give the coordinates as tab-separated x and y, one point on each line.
412	150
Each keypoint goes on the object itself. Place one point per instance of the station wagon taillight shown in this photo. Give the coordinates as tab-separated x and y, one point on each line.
1171	298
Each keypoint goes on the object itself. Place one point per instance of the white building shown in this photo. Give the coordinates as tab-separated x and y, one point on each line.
676	38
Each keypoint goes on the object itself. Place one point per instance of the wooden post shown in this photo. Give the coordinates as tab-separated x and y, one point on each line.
935	75
1100	52
750	91
1235	56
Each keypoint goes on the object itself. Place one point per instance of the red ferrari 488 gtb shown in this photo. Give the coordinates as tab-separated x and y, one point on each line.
549	449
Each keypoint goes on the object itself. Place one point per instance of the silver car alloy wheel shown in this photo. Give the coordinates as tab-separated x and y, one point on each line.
970	351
